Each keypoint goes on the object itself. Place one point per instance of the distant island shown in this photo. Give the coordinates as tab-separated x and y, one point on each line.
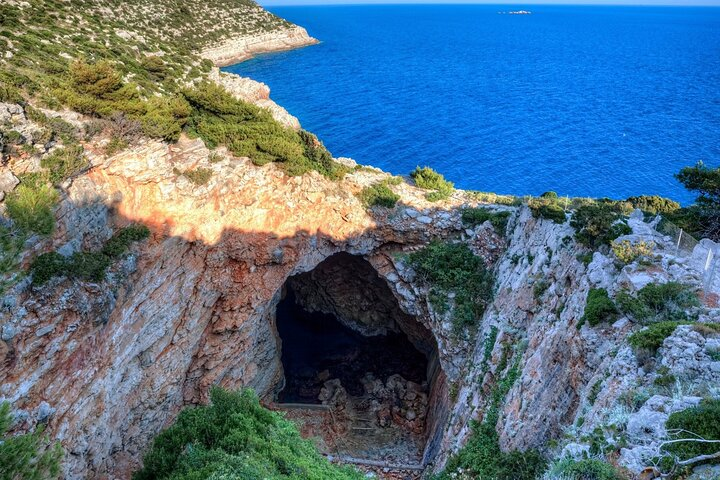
516	12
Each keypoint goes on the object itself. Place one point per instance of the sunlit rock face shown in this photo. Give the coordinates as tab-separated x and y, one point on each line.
194	305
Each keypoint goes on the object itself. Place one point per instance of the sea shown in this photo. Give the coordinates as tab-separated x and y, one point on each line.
598	101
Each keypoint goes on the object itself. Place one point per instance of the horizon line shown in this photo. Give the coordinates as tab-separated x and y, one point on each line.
538	3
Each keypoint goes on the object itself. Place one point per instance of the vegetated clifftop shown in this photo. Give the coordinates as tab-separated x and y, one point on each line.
108	337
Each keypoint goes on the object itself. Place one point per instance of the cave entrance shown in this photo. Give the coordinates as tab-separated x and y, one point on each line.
360	375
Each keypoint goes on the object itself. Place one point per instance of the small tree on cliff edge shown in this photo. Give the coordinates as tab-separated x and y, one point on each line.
706	211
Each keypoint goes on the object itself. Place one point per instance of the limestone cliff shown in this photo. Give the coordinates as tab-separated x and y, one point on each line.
107	364
234	50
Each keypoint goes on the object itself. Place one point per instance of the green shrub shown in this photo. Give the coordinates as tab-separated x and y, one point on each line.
198	176
702	420
65	162
452	267
598	308
165	117
120	242
98	80
550	195
598	224
29	456
585	258
657	302
586	469
628	252
89	266
489	197
652	337
236	437
547	208
477	216
540	288
115	145
47	266
30	205
249	131
653	204
428	179
665	378
378	194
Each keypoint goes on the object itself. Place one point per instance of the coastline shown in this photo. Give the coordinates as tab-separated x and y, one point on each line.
239	49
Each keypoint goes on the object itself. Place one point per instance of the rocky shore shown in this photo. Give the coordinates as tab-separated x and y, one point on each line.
238	49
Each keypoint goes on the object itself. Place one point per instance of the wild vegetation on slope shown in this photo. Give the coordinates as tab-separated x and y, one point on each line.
236	438
28	456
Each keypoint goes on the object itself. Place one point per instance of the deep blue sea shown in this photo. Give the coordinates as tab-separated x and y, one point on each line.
586	101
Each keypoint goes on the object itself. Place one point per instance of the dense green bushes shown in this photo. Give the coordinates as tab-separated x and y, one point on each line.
235	437
29	456
476	216
599	308
652	337
701	421
248	131
598	224
379	194
653	204
429	179
452	268
548	207
657	302
89	266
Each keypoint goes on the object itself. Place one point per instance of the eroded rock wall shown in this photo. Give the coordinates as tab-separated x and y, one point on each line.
107	365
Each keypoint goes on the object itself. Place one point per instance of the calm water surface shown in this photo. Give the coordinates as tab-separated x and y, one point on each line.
587	101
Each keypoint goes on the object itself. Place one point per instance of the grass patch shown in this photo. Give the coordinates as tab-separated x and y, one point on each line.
30	205
428	179
235	437
198	176
453	268
379	194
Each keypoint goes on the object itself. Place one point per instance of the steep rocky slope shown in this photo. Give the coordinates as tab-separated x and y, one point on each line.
107	362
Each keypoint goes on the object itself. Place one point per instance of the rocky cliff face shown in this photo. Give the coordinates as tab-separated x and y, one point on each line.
107	365
241	48
575	379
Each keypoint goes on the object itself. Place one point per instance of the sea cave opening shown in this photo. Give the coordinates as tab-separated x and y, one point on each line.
361	376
